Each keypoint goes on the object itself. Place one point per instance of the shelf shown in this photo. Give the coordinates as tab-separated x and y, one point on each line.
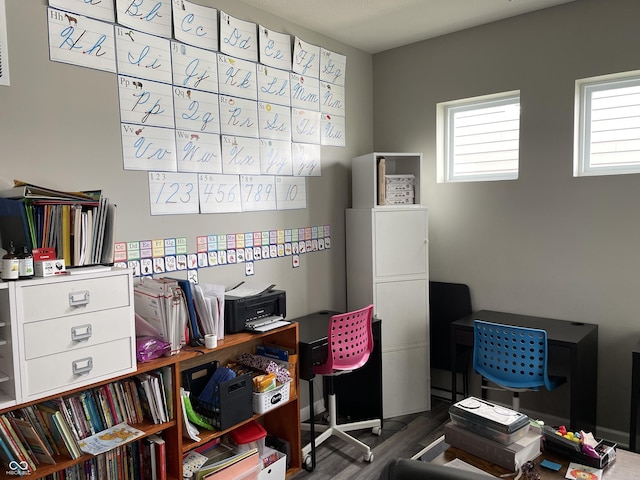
63	461
364	177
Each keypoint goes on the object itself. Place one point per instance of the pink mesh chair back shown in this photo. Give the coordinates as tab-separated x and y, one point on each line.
350	341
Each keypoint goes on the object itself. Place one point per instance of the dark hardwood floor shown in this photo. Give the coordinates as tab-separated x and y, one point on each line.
401	437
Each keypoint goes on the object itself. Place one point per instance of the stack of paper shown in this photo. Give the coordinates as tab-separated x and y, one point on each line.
209	303
161	303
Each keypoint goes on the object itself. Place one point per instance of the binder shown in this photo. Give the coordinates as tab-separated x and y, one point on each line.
194	329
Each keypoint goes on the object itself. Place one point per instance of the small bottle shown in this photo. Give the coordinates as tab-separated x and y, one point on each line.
10	264
25	260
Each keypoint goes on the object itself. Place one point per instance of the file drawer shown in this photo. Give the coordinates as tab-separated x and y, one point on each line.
72	295
74	368
75	332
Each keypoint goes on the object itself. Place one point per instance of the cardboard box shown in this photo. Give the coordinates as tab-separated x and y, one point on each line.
49	268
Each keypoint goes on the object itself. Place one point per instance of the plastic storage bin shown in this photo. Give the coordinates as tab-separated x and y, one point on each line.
233	403
248	436
265	401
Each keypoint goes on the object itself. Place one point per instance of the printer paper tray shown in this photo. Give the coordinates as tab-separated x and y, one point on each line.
269	326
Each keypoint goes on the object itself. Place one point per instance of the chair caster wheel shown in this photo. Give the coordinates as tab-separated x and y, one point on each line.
307	463
368	457
376	430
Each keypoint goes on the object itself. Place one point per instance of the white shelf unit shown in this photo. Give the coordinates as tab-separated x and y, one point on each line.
387	251
364	176
8	354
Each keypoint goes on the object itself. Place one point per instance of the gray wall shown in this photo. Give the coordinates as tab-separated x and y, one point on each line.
547	244
59	127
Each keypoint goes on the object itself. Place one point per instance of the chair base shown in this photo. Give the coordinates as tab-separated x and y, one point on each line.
339	430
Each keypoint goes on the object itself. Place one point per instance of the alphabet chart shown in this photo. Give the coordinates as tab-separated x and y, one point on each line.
150	257
225	115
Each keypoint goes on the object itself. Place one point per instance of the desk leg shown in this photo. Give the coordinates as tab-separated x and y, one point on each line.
454	367
635	397
312	428
584	384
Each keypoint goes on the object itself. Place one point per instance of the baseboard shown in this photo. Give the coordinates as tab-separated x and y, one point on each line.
305	412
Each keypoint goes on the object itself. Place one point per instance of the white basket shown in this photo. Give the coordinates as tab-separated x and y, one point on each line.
265	401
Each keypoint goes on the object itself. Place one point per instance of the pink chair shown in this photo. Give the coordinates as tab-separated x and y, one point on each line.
350	342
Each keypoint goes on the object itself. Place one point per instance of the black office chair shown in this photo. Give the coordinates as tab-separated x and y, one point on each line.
406	469
448	302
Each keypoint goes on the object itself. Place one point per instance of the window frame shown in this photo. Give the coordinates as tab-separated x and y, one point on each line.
444	123
582	130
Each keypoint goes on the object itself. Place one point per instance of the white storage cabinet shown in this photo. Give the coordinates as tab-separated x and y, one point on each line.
388	265
73	330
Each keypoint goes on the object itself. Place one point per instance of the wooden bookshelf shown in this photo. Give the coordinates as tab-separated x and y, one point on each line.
283	421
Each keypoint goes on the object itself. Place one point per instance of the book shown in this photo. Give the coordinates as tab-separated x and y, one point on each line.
233	468
30	414
507	456
109	439
12	437
27	190
381	181
161	456
31	437
65	433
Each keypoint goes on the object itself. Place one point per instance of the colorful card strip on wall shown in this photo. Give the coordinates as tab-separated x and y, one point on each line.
157	256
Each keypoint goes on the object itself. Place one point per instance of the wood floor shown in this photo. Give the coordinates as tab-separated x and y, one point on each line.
401	437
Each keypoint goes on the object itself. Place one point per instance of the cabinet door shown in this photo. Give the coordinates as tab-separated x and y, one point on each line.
401	242
403	307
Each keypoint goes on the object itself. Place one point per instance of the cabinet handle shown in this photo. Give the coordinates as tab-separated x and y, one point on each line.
81	332
84	365
77	299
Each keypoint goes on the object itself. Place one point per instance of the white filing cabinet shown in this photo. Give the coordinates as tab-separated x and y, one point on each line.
388	265
73	330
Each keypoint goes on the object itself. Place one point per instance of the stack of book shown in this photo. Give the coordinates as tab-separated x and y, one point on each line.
492	432
61	428
79	225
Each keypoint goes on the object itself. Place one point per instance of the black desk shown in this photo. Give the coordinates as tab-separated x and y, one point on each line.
358	394
579	340
635	397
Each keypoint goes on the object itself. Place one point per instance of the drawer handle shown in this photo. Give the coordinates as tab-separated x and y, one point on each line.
84	365
77	299
81	332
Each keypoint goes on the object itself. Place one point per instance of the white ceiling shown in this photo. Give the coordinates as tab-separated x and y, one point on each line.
378	25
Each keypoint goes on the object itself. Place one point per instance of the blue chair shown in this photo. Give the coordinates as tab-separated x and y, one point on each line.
514	358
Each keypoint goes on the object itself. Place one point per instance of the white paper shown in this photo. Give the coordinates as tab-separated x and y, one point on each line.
80	40
194	67
100	10
195	24
145	102
274	121
305	92
274	86
306	58
306	160
333	67
275	157
148	16
332	130
240	155
198	152
148	148
237	77
305	126
291	193
258	192
219	194
173	193
143	56
238	116
332	99
196	110
238	38
275	48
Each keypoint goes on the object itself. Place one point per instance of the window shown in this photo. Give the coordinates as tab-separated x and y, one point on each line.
479	138
607	129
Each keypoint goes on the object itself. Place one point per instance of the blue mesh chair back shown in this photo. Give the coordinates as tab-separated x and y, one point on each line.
512	357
